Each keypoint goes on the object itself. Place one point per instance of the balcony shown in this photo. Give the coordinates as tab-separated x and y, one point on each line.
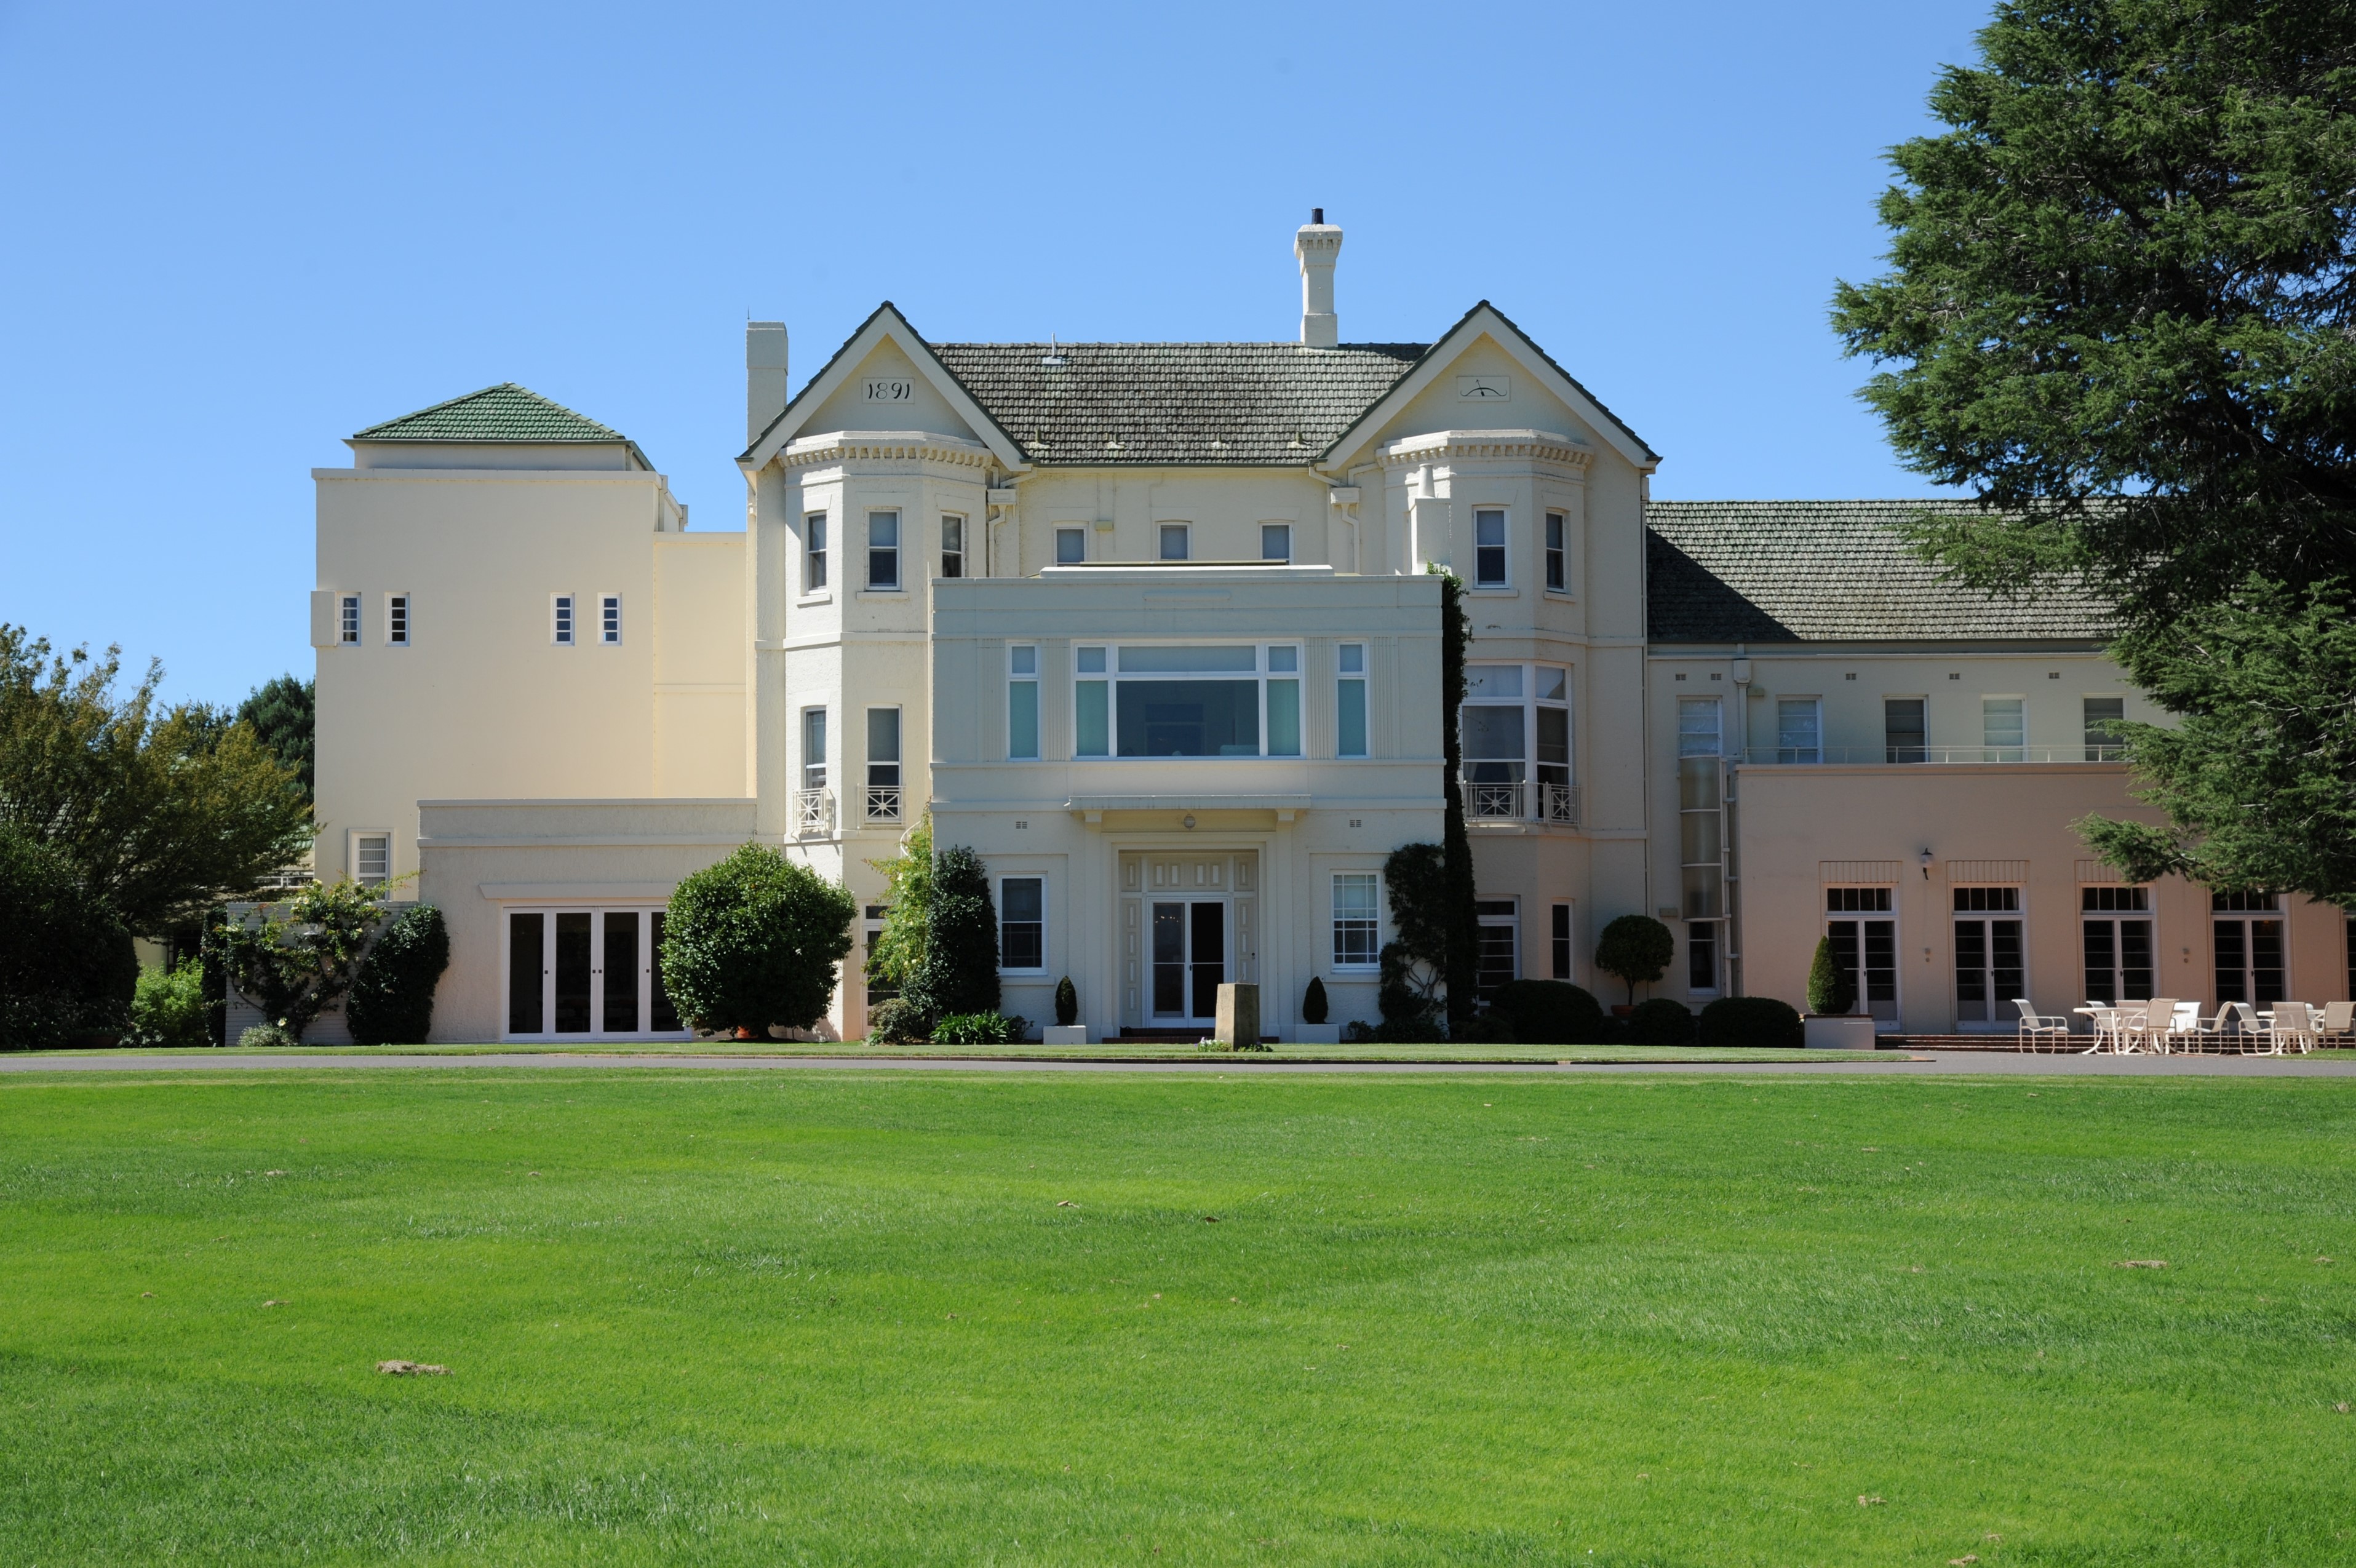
1943	755
1521	801
813	813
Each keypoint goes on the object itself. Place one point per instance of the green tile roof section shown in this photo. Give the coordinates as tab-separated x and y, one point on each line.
1831	572
503	413
1101	405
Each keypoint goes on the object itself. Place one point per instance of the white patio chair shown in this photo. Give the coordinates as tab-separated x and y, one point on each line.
2291	1029
2035	1030
2253	1033
2184	1027
2218	1032
2339	1025
2152	1026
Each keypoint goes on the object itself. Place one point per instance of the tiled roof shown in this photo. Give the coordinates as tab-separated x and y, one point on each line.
1829	570
1176	402
503	413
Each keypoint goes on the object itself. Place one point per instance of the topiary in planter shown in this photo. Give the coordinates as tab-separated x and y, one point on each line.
1660	1022
1830	991
1067	1004
1550	1013
391	999
1313	1002
1635	948
1745	1021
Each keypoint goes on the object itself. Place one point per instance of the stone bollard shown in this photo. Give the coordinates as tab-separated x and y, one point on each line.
1239	1019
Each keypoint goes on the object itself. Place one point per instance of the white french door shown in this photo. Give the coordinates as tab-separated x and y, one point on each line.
587	975
1190	959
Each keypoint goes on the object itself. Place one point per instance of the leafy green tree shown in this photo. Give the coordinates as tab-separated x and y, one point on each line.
1413	982
67	968
284	714
2120	312
168	1006
294	960
959	970
1635	948
1461	963
161	811
899	947
391	1001
753	941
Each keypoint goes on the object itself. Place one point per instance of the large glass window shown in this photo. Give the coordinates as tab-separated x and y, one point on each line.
2004	729
1799	729
1903	733
2103	716
1357	922
1023	923
1022	703
1350	704
1489	548
1198	700
2115	931
883	550
1516	726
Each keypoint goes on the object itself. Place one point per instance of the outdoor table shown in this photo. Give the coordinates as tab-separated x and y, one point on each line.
2106	1028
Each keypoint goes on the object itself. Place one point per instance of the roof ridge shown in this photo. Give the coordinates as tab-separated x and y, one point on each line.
525	404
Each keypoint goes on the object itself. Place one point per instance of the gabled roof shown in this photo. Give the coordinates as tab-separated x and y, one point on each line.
504	412
1831	571
884	322
1487	318
1166	404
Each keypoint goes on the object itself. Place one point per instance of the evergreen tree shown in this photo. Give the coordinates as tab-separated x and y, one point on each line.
959	970
284	716
1461	962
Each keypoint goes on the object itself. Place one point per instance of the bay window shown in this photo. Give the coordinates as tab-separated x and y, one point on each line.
1516	728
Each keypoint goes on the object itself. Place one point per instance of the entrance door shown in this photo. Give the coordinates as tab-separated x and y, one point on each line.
1989	967
587	975
1865	951
1190	959
2247	929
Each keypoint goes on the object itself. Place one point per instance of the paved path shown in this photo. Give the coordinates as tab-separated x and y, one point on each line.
1907	1065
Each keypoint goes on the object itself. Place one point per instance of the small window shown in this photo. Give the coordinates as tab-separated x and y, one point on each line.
1175	542
813	552
952	547
2103	716
1698	727
883	550
1071	547
372	859
2004	729
1799	729
1350	707
1557	570
1987	900
347	620
882	765
813	748
1560	940
1276	542
396	620
1284	701
1091	704
1022	703
1357	924
1488	548
1903	733
561	620
1023	923
1501	942
609	619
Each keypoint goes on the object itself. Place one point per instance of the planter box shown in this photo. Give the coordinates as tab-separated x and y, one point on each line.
1064	1034
1838	1032
1316	1033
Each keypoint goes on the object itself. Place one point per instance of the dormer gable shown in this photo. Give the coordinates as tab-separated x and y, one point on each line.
885	378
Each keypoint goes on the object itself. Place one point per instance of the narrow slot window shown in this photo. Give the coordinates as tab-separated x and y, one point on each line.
1276	542
813	748
561	620
1022	924
609	619
347	620
1284	701
396	620
1559	940
1557	568
1022	703
952	547
882	765
1350	703
883	550
1489	548
1091	704
813	552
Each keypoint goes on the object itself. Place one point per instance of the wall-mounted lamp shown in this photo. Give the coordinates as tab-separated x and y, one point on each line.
1926	858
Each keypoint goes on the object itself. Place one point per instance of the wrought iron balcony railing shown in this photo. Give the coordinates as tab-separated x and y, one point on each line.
1525	800
813	813
882	802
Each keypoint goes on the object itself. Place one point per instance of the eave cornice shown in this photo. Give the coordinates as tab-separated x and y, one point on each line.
884	446
1486	446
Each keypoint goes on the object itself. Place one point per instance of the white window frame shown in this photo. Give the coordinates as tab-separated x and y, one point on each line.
1016	677
1795	753
1717	707
814	543
598	910
2115	917
1556	544
803	740
1162	541
1283	528
1044	956
1261	674
347	620
353	839
1526	800
397	619
953	557
1344	678
1488	918
1078	531
1503	582
563	620
609	620
1889	910
1334	917
2007	751
897	763
2002	1016
898	585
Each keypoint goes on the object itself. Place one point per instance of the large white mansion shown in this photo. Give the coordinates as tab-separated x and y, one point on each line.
1149	625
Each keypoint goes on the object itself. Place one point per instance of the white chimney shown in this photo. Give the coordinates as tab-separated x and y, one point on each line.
1318	244
765	376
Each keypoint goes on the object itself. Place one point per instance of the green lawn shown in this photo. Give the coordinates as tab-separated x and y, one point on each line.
1101	1051
788	1317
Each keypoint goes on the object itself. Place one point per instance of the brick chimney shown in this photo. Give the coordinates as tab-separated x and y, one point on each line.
765	376
1318	244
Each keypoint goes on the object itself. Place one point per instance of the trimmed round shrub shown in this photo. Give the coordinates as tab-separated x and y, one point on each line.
167	1009
1550	1013
1313	1002
1750	1021
391	999
895	1023
1067	1004
68	969
1660	1022
755	941
1636	948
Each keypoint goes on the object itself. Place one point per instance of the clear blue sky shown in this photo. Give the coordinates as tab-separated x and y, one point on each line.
237	233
